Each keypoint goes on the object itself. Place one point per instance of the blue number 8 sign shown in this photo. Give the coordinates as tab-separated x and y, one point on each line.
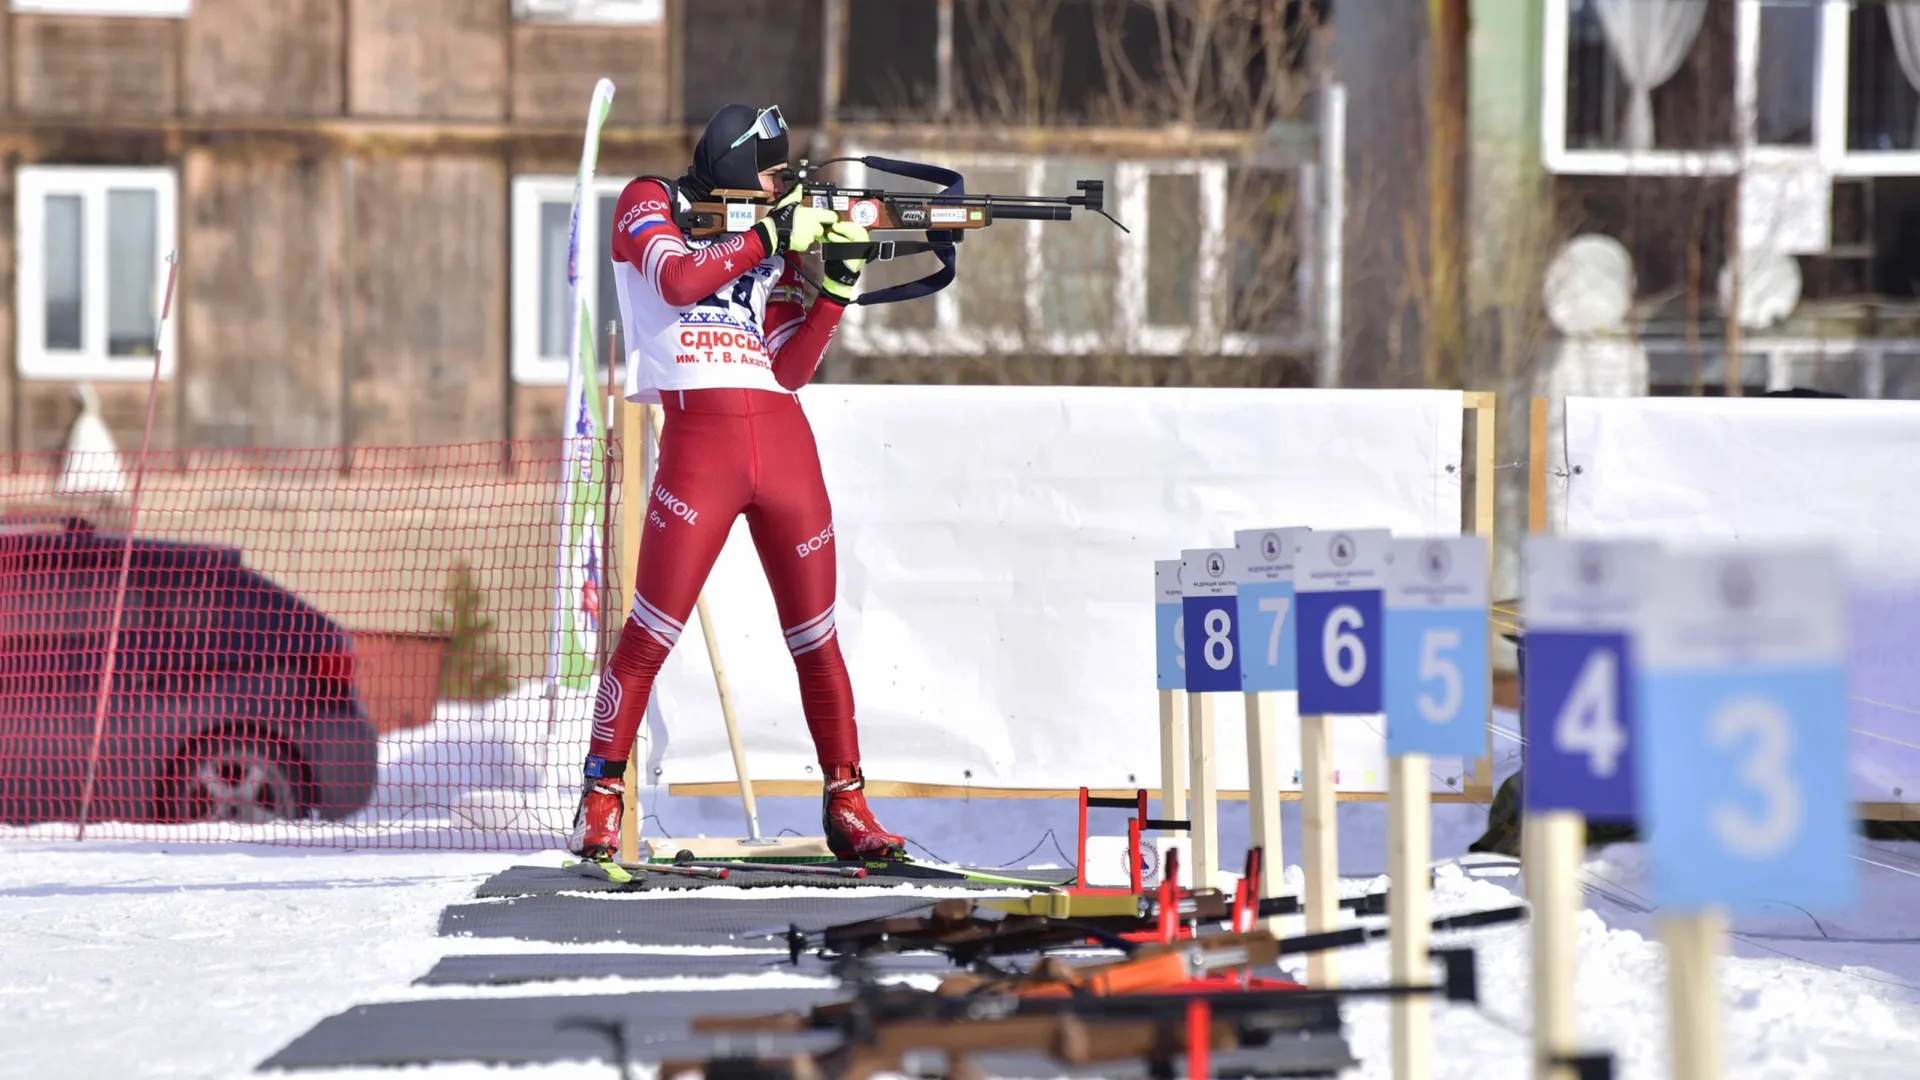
1208	609
1170	651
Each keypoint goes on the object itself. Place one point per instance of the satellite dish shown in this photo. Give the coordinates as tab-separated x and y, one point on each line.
1589	286
1769	288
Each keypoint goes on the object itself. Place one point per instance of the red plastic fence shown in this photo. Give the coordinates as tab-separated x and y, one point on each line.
315	646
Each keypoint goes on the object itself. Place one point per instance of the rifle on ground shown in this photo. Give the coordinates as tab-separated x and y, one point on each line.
971	933
879	1028
943	216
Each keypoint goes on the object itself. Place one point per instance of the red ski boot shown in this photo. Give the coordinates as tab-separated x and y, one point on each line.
851	831
596	821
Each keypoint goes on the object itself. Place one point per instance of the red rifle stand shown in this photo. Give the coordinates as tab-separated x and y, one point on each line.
1136	825
1199	1040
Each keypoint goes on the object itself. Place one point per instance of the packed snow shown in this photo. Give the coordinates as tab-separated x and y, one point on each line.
197	952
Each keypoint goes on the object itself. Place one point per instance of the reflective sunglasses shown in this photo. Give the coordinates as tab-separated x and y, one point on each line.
768	125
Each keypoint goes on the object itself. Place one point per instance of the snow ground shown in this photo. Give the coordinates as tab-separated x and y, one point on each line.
193	952
201	960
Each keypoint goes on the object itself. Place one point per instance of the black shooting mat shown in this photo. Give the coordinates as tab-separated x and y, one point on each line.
686	919
554	880
510	969
534	1030
655	1027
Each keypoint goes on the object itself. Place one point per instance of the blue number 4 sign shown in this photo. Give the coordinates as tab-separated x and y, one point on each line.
1578	722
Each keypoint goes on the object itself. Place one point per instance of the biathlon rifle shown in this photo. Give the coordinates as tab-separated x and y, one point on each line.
943	217
881	1027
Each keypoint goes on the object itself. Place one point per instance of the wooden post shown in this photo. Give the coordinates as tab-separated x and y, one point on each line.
1537	466
635	461
1551	844
1173	757
1694	942
1205	809
1319	842
1409	926
1263	794
1484	405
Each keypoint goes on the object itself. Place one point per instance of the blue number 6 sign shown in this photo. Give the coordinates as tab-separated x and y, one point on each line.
1338	581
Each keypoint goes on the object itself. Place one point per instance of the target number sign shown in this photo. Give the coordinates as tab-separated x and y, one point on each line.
1339	577
1743	766
1170	650
1578	716
1209	612
1438	678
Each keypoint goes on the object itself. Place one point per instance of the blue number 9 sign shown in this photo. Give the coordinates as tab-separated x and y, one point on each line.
1338	579
1743	754
1577	717
1264	583
1437	668
1212	632
1169	650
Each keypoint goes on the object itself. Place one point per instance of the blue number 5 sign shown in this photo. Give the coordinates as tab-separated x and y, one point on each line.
1212	631
1436	646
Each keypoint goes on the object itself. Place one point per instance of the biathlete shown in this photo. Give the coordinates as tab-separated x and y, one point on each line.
720	336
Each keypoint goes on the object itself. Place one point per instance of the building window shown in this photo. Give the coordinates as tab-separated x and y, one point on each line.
175	9
542	299
1656	88
1083	286
91	270
591	12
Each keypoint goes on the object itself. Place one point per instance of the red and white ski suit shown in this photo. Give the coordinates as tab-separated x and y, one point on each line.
720	337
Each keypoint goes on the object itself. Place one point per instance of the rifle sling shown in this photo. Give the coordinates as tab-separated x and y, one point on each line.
939	241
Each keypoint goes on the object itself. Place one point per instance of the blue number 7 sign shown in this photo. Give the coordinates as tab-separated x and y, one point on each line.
1264	581
1577	713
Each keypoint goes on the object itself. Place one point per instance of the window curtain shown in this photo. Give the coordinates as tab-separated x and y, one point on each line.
1903	24
1650	39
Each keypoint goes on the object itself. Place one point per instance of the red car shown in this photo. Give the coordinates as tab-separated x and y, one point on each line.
233	699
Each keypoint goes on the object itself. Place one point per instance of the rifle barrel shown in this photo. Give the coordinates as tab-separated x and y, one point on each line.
1018	212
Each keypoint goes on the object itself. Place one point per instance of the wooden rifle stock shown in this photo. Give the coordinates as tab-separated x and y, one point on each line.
1065	1037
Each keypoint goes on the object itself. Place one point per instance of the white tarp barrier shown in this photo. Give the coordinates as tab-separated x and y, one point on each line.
995	548
1837	471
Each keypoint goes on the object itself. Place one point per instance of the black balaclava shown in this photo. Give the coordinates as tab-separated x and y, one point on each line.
717	163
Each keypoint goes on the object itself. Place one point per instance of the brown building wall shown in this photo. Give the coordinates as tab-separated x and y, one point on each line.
344	172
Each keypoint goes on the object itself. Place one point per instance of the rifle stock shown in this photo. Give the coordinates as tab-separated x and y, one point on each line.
1065	1037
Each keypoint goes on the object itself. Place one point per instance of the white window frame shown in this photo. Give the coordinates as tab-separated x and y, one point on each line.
592	12
1553	113
1828	152
530	191
32	185
153	9
1127	200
